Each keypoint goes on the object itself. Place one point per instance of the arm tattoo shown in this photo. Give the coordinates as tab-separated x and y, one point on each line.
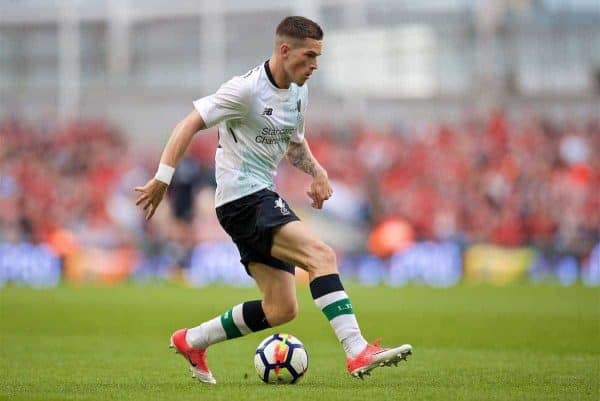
300	157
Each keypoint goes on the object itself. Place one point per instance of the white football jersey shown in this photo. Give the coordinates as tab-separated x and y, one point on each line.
256	122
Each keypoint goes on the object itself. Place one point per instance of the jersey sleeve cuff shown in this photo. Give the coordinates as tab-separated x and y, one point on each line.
201	106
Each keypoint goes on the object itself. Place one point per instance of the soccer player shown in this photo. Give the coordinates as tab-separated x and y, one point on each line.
260	118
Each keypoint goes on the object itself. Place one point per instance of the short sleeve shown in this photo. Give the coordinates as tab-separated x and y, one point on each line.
229	102
298	136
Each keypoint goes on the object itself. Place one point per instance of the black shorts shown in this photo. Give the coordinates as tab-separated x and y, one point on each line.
250	220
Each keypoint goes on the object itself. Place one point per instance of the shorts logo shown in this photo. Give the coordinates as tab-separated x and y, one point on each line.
279	204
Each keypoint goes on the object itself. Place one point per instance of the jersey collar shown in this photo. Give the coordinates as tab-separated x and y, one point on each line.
269	75
272	80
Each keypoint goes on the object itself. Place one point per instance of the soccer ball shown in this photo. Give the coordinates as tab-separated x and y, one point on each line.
281	359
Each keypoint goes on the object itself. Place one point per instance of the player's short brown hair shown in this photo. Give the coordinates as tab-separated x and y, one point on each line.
299	28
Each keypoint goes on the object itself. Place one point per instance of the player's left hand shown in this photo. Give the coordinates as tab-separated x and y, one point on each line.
320	190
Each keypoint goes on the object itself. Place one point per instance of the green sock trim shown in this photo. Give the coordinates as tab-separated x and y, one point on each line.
341	307
231	329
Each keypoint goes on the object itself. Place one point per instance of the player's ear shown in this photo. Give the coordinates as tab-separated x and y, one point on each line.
284	49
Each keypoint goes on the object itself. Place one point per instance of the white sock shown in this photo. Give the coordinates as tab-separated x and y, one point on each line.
206	334
354	345
337	308
230	324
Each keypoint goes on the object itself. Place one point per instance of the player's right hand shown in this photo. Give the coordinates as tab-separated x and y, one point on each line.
151	196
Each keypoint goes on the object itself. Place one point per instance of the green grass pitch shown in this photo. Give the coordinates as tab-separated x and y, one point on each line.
470	343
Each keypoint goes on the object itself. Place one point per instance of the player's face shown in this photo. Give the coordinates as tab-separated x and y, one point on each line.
301	60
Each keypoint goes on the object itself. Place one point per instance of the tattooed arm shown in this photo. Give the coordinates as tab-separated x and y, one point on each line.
300	156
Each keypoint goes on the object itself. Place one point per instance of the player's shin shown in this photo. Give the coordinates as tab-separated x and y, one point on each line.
238	321
329	295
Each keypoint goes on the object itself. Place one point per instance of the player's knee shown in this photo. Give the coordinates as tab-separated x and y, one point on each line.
281	312
289	311
322	258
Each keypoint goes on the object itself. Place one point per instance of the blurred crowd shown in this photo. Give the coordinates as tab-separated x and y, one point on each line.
527	181
511	183
55	178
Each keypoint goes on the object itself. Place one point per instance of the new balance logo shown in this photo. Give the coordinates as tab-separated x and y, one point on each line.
283	208
267	112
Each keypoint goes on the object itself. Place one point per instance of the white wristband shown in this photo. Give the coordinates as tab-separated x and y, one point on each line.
164	173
